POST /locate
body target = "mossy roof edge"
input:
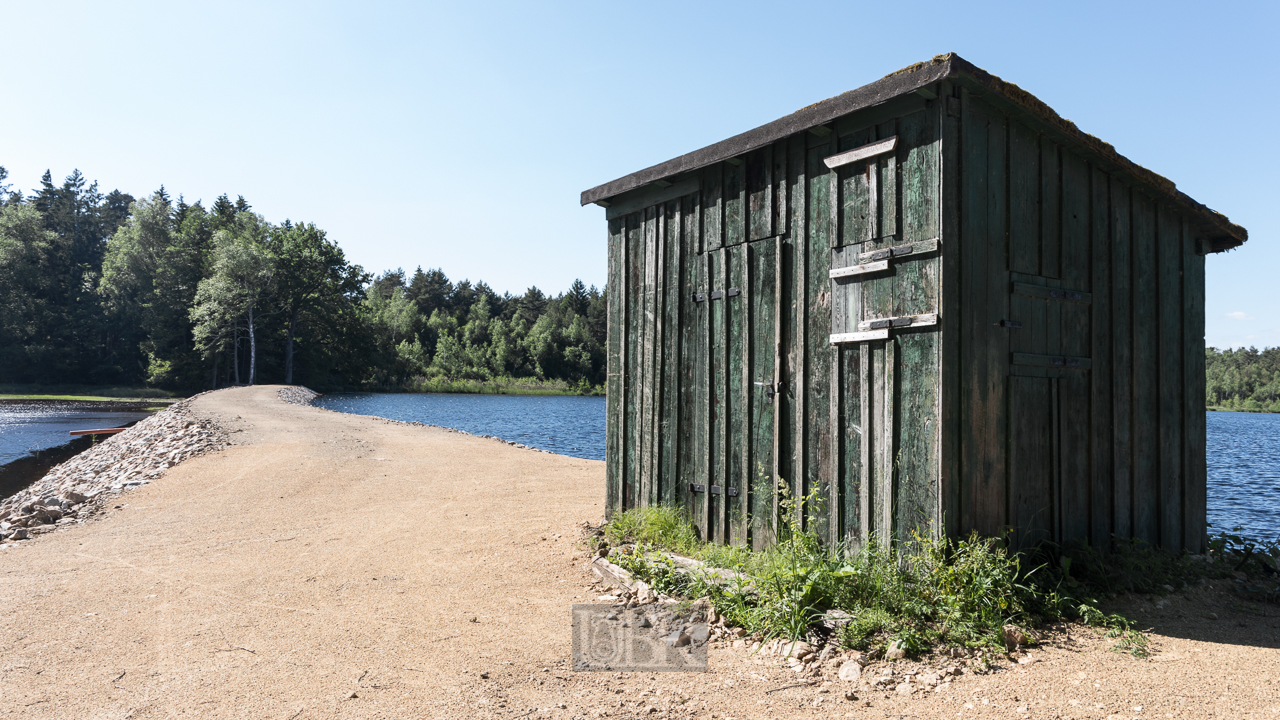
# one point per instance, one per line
(901, 82)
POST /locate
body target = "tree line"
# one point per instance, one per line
(1244, 379)
(107, 289)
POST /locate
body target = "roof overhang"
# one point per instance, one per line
(1222, 233)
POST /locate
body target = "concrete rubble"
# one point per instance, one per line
(77, 488)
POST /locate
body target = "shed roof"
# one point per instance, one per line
(1223, 233)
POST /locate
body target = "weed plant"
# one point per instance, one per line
(935, 592)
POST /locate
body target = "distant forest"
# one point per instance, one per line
(1245, 379)
(106, 289)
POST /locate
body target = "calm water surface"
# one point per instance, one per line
(1244, 472)
(27, 426)
(565, 425)
(1243, 448)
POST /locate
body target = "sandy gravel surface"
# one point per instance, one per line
(336, 566)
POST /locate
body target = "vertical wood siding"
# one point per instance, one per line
(1113, 446)
(1083, 423)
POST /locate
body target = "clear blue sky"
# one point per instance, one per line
(460, 135)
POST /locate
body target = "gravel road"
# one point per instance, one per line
(339, 566)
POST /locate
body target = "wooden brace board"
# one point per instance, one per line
(879, 147)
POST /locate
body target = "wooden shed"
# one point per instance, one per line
(933, 303)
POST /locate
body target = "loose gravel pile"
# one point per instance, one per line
(73, 490)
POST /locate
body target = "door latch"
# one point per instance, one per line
(769, 391)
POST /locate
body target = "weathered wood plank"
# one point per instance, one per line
(631, 488)
(1031, 459)
(887, 188)
(689, 397)
(1101, 447)
(866, 439)
(702, 430)
(1052, 293)
(760, 193)
(762, 299)
(1074, 392)
(1122, 369)
(718, 273)
(738, 429)
(648, 370)
(614, 425)
(1194, 481)
(860, 269)
(1146, 386)
(863, 152)
(1024, 200)
(795, 291)
(1073, 400)
(641, 198)
(781, 187)
(1050, 209)
(713, 208)
(985, 285)
(821, 231)
(1169, 244)
(850, 451)
(669, 429)
(855, 221)
(917, 296)
(735, 203)
(951, 377)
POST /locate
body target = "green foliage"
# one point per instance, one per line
(98, 288)
(932, 593)
(1246, 379)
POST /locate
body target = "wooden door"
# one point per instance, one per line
(737, 502)
(1048, 397)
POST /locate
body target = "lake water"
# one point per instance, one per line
(1244, 472)
(1243, 448)
(27, 426)
(571, 425)
(35, 435)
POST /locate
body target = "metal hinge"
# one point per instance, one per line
(731, 492)
(697, 487)
(1011, 324)
(699, 297)
(717, 294)
(715, 489)
(733, 292)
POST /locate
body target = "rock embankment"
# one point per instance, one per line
(74, 490)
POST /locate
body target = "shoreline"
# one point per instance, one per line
(336, 565)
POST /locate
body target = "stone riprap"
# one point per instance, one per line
(75, 489)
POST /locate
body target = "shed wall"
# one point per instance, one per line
(855, 427)
(1088, 420)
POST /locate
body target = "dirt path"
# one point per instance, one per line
(341, 566)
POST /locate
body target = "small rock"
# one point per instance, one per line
(850, 670)
(905, 688)
(1213, 616)
(1015, 637)
(850, 696)
(896, 650)
(1028, 660)
(798, 650)
(930, 679)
